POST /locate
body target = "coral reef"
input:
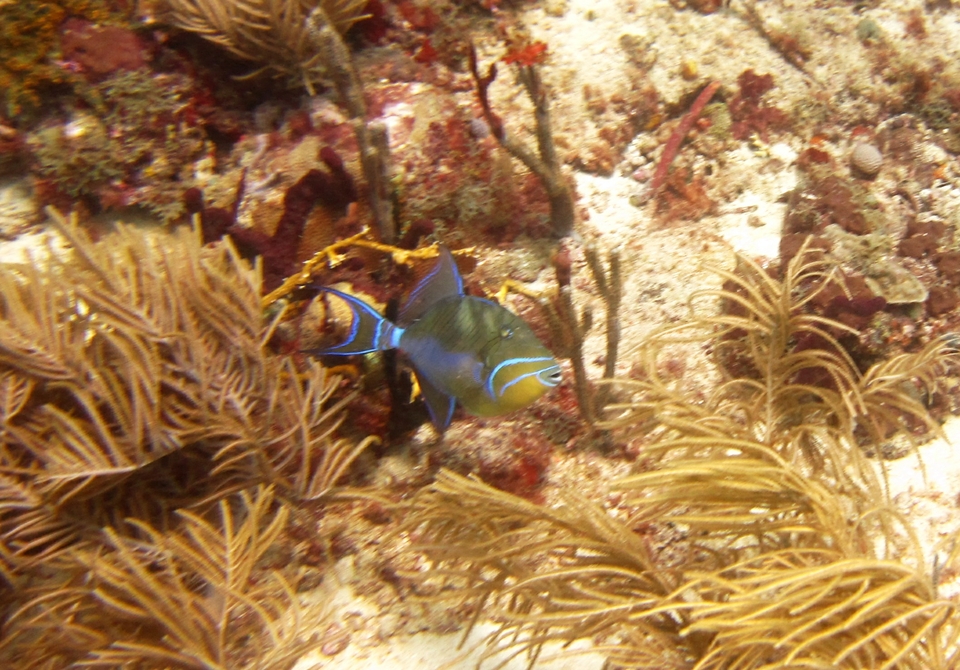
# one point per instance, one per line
(29, 42)
(544, 163)
(753, 505)
(333, 189)
(168, 423)
(137, 146)
(99, 51)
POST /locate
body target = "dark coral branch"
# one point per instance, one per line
(483, 83)
(672, 146)
(279, 251)
(575, 330)
(544, 164)
(334, 190)
(371, 137)
(610, 288)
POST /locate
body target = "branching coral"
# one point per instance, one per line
(303, 37)
(545, 163)
(758, 535)
(135, 379)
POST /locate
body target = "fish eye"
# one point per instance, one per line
(506, 332)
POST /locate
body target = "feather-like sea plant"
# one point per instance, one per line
(272, 32)
(759, 534)
(197, 598)
(135, 379)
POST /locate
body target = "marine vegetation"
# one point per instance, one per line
(147, 430)
(274, 32)
(545, 163)
(755, 531)
(304, 38)
(29, 42)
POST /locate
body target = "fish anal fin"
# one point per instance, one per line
(439, 404)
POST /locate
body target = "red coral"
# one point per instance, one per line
(683, 196)
(825, 200)
(748, 113)
(419, 18)
(680, 132)
(922, 238)
(812, 155)
(527, 54)
(753, 85)
(948, 263)
(426, 53)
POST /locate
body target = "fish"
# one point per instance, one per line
(462, 348)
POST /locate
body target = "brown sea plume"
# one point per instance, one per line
(149, 432)
(757, 533)
(272, 32)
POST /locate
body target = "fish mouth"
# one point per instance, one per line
(551, 376)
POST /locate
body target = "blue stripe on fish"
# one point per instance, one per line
(459, 346)
(369, 331)
(518, 361)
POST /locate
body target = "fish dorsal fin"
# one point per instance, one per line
(439, 404)
(443, 281)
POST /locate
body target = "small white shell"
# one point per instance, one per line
(866, 158)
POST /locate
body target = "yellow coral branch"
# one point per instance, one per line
(332, 256)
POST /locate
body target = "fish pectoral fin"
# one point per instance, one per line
(439, 404)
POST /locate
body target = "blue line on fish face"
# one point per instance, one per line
(518, 361)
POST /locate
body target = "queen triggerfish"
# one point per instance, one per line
(462, 348)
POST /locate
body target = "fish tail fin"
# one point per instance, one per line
(369, 331)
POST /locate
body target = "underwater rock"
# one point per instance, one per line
(896, 284)
(100, 51)
(872, 256)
